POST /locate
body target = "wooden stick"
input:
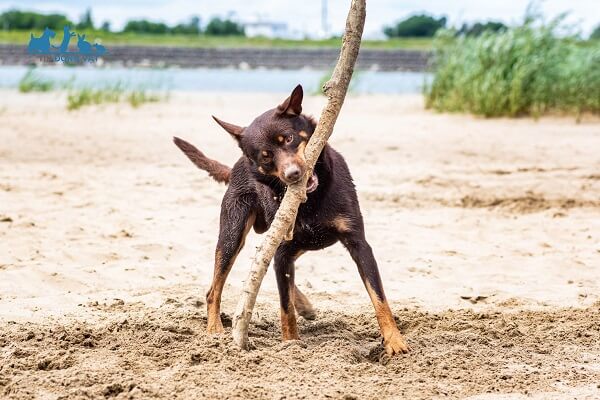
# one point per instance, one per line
(283, 224)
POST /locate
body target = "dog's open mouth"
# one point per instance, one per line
(312, 183)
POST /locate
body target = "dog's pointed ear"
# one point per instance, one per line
(293, 104)
(235, 131)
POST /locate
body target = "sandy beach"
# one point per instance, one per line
(486, 231)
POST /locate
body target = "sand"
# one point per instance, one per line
(486, 233)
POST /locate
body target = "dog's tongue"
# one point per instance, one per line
(312, 183)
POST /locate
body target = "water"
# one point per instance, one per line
(257, 80)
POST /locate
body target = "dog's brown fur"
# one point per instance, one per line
(273, 157)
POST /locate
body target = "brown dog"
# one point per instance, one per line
(273, 157)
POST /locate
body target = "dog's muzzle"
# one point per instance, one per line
(293, 173)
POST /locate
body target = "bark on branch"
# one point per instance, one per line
(282, 226)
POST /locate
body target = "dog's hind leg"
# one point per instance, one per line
(284, 272)
(362, 254)
(236, 221)
(303, 306)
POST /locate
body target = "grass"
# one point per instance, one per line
(138, 97)
(34, 83)
(79, 98)
(131, 39)
(527, 70)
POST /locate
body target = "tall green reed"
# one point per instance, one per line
(526, 70)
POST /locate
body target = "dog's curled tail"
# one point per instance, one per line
(215, 169)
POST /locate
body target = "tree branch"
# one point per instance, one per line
(283, 224)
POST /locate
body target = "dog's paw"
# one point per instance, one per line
(215, 327)
(308, 314)
(395, 344)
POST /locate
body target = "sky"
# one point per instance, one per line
(305, 16)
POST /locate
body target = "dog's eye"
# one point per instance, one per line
(266, 157)
(289, 139)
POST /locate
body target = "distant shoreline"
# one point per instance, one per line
(243, 58)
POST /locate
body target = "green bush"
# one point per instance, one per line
(190, 28)
(144, 26)
(415, 26)
(159, 28)
(596, 33)
(526, 70)
(25, 20)
(224, 27)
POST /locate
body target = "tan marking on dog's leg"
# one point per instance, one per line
(342, 224)
(213, 298)
(289, 328)
(393, 342)
(303, 306)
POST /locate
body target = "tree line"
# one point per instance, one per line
(26, 20)
(424, 25)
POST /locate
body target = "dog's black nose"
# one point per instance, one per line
(292, 173)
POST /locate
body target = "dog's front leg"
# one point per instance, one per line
(284, 272)
(362, 254)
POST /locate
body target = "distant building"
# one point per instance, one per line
(266, 29)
